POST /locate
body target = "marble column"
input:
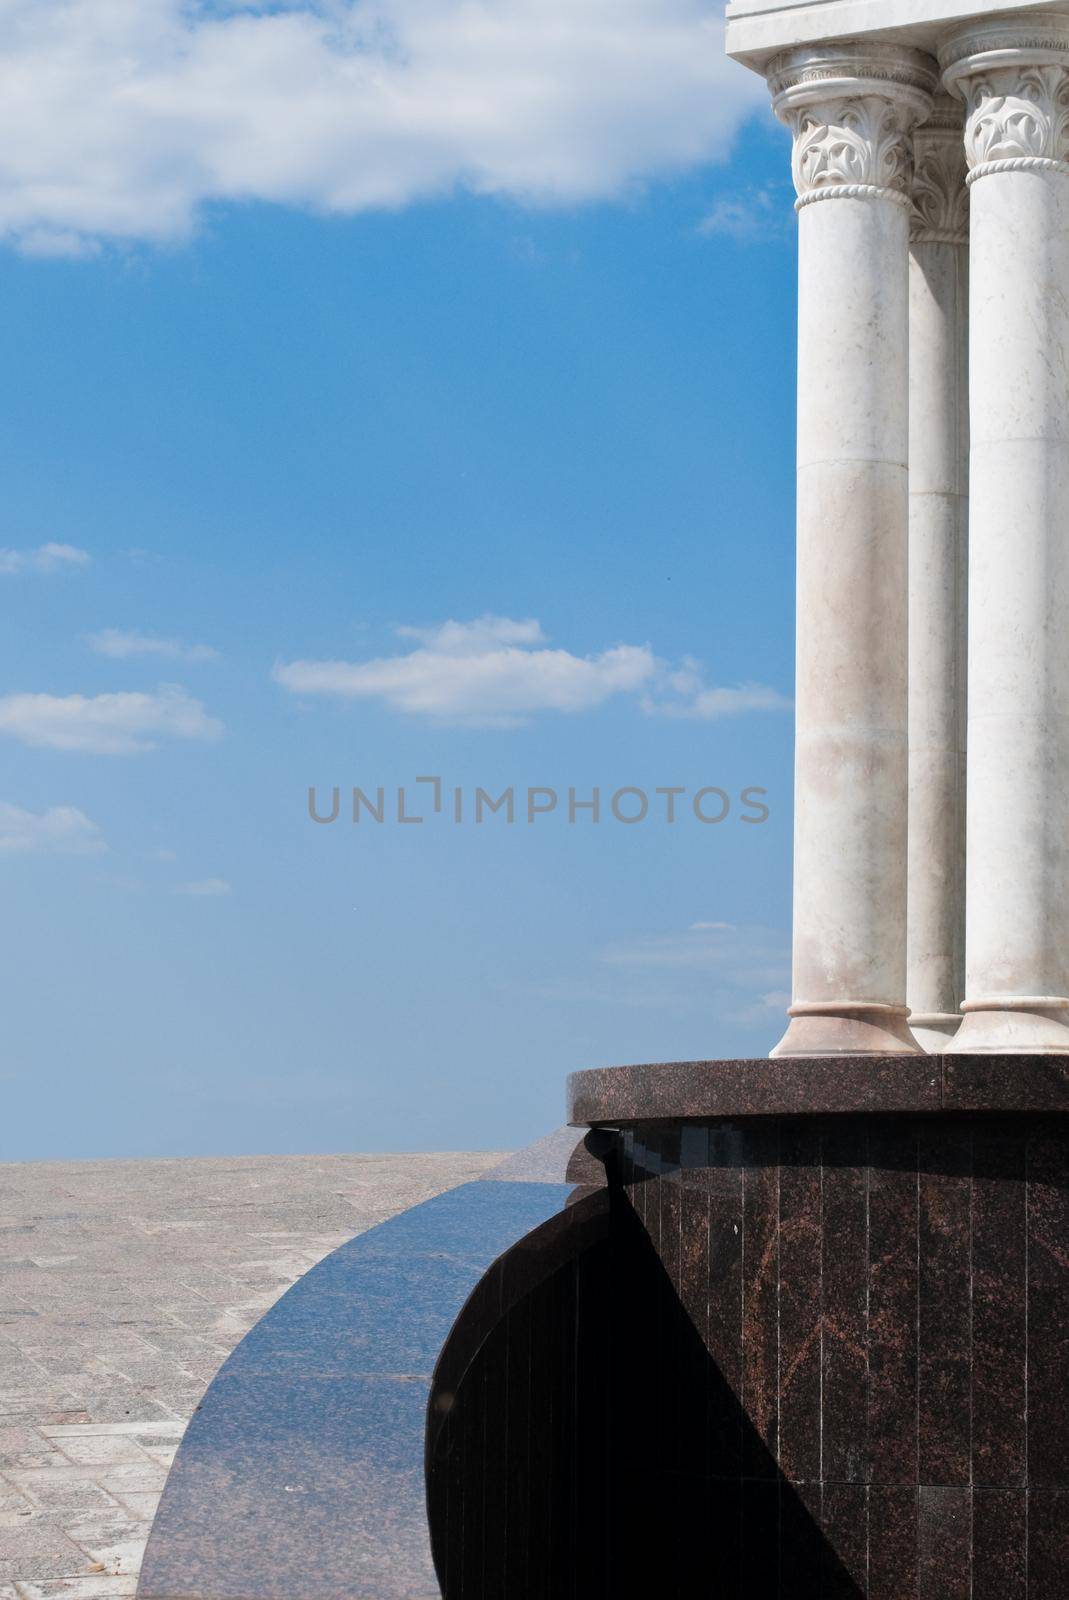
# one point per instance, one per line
(938, 575)
(851, 109)
(1013, 74)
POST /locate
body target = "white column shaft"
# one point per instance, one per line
(938, 573)
(851, 108)
(1016, 85)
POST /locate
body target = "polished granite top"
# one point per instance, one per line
(301, 1474)
(819, 1086)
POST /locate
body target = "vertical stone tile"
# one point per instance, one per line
(1000, 1527)
(495, 1485)
(944, 1312)
(999, 1349)
(801, 1541)
(724, 1521)
(800, 1302)
(893, 1220)
(845, 1280)
(1048, 1545)
(893, 1545)
(944, 1543)
(760, 1290)
(724, 1185)
(670, 1343)
(696, 1376)
(760, 1538)
(846, 1536)
(1048, 1312)
(517, 1423)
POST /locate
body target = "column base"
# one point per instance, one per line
(847, 1028)
(933, 1030)
(1022, 1025)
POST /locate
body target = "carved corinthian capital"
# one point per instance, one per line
(940, 195)
(851, 109)
(1013, 75)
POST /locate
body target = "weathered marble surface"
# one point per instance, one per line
(938, 574)
(1014, 78)
(123, 1286)
(851, 110)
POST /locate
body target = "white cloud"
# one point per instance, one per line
(469, 638)
(204, 888)
(120, 119)
(486, 673)
(688, 695)
(724, 985)
(755, 215)
(105, 724)
(61, 830)
(708, 704)
(46, 558)
(495, 672)
(120, 644)
(750, 958)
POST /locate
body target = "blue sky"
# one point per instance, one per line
(549, 400)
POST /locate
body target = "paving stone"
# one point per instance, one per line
(96, 1586)
(124, 1285)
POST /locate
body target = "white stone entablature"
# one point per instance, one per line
(757, 30)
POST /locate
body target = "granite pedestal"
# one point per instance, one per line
(863, 1360)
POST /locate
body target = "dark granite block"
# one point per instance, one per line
(323, 1443)
(944, 1543)
(1022, 1083)
(1048, 1311)
(516, 1422)
(845, 1520)
(701, 1090)
(694, 1403)
(999, 1310)
(893, 1545)
(944, 1311)
(670, 1341)
(800, 1303)
(725, 1545)
(801, 1546)
(760, 1297)
(893, 1281)
(1048, 1545)
(1000, 1532)
(760, 1538)
(724, 1185)
(694, 1256)
(844, 1249)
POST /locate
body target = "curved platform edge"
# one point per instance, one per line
(818, 1086)
(301, 1475)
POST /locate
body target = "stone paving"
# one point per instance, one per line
(123, 1286)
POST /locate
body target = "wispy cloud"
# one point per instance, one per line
(493, 672)
(204, 888)
(105, 724)
(61, 830)
(120, 644)
(496, 672)
(749, 217)
(120, 120)
(44, 558)
(732, 977)
(683, 692)
(750, 957)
